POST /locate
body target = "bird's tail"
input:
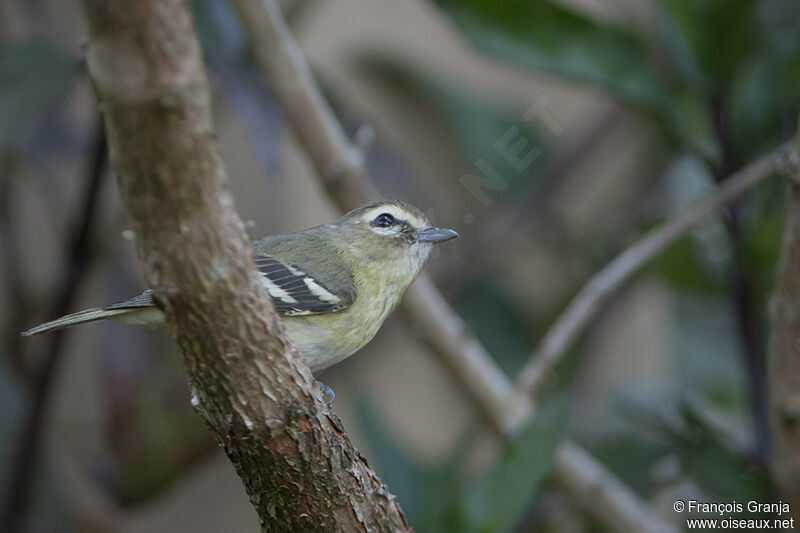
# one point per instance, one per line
(81, 317)
(140, 310)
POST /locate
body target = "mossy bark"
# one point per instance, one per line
(291, 452)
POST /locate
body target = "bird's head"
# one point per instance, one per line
(390, 232)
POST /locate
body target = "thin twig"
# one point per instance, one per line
(76, 265)
(485, 382)
(584, 307)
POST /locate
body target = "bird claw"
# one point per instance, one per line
(327, 393)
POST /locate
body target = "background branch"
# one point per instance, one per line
(295, 461)
(338, 162)
(586, 304)
(78, 258)
(601, 494)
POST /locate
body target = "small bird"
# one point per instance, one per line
(333, 285)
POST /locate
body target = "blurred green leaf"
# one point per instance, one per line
(706, 64)
(706, 350)
(681, 267)
(629, 454)
(706, 39)
(546, 36)
(495, 143)
(499, 326)
(689, 121)
(765, 226)
(764, 96)
(426, 493)
(749, 78)
(676, 31)
(714, 462)
(715, 458)
(433, 498)
(762, 115)
(498, 499)
(33, 75)
(700, 261)
(402, 474)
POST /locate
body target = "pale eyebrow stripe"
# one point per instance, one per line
(398, 213)
(391, 209)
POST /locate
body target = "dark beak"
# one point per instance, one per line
(435, 235)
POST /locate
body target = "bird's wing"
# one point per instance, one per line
(294, 291)
(297, 292)
(143, 300)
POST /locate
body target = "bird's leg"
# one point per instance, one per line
(327, 393)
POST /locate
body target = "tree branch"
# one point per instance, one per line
(784, 353)
(584, 307)
(295, 461)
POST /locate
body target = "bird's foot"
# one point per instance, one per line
(327, 393)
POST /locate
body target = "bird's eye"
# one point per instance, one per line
(384, 220)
